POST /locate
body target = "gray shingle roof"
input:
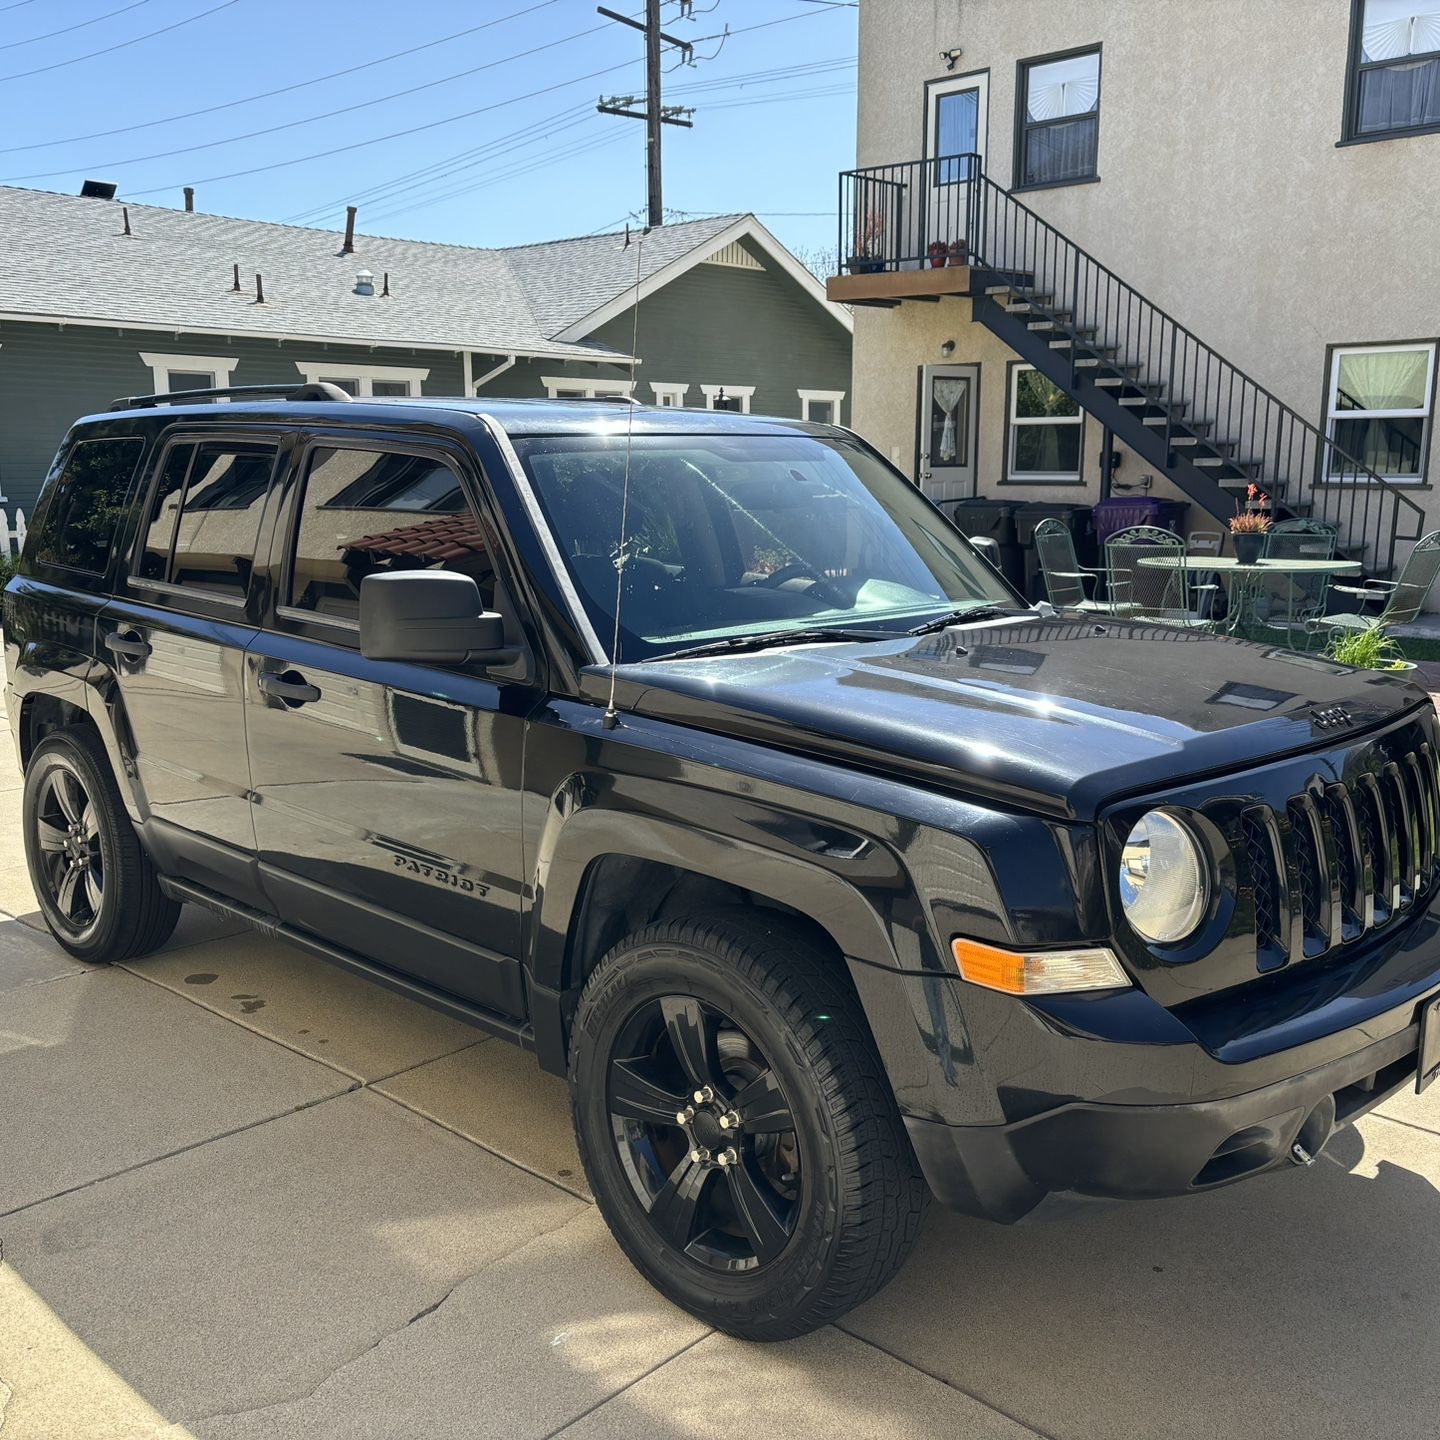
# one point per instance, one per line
(67, 256)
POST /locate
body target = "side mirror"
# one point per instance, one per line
(988, 546)
(433, 617)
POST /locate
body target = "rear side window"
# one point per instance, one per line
(205, 516)
(366, 511)
(85, 504)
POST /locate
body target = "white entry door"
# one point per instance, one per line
(949, 396)
(956, 126)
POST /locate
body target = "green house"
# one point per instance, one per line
(100, 299)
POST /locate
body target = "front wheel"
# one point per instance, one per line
(96, 886)
(737, 1127)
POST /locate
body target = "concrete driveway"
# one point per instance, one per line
(245, 1195)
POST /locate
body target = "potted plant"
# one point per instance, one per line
(1248, 530)
(1256, 500)
(1370, 649)
(958, 253)
(938, 251)
(869, 256)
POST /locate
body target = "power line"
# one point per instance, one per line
(15, 6)
(121, 45)
(311, 119)
(51, 34)
(282, 90)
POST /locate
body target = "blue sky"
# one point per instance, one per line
(774, 121)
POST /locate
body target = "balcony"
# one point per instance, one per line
(905, 231)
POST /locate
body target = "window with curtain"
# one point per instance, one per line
(1046, 429)
(1395, 67)
(1059, 123)
(957, 132)
(1379, 412)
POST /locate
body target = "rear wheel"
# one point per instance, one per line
(96, 886)
(737, 1127)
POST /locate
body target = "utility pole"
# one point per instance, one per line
(655, 115)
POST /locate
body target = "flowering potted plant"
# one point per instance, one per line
(1248, 530)
(1256, 500)
(938, 251)
(869, 256)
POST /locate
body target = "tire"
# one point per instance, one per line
(764, 1249)
(75, 825)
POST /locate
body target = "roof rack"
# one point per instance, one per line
(315, 390)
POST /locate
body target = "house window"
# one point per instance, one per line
(188, 372)
(1046, 430)
(1379, 410)
(728, 397)
(579, 387)
(668, 393)
(1394, 74)
(1058, 119)
(374, 380)
(821, 406)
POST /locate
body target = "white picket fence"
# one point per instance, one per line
(12, 536)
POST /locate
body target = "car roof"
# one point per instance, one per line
(518, 418)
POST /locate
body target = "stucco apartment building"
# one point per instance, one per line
(1202, 230)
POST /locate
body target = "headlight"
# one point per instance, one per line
(1164, 879)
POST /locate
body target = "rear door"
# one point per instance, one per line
(175, 638)
(387, 795)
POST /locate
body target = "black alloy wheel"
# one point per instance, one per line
(67, 833)
(705, 1134)
(737, 1126)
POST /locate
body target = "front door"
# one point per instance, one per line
(948, 442)
(955, 131)
(387, 794)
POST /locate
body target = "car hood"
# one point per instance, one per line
(1052, 714)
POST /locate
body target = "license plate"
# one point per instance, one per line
(1429, 1066)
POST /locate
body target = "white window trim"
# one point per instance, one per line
(833, 396)
(671, 390)
(591, 389)
(742, 393)
(316, 373)
(1334, 413)
(160, 365)
(1037, 477)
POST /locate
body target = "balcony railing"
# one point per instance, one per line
(892, 215)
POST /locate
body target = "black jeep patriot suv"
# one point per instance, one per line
(851, 881)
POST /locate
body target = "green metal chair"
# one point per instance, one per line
(1401, 599)
(1065, 577)
(1289, 602)
(1153, 592)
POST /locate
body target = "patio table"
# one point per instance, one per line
(1247, 575)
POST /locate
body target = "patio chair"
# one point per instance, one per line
(1065, 577)
(1151, 591)
(1401, 599)
(1206, 595)
(1289, 602)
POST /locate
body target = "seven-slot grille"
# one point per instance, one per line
(1343, 859)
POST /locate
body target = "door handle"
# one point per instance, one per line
(131, 646)
(291, 687)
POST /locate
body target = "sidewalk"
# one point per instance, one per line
(243, 1194)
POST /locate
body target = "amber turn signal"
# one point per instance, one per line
(1043, 972)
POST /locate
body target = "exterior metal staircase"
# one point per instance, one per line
(1185, 409)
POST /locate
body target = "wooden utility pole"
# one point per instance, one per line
(655, 114)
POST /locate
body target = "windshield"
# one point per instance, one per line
(729, 536)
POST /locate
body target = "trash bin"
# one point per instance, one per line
(995, 520)
(1077, 519)
(1121, 512)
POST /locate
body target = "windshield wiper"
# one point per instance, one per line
(973, 612)
(738, 644)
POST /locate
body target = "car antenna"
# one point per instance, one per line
(612, 716)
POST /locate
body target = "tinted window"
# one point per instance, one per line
(206, 516)
(364, 512)
(84, 504)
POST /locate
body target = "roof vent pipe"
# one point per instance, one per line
(259, 288)
(236, 286)
(348, 248)
(385, 289)
(125, 212)
(189, 199)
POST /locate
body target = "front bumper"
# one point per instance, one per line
(1001, 1172)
